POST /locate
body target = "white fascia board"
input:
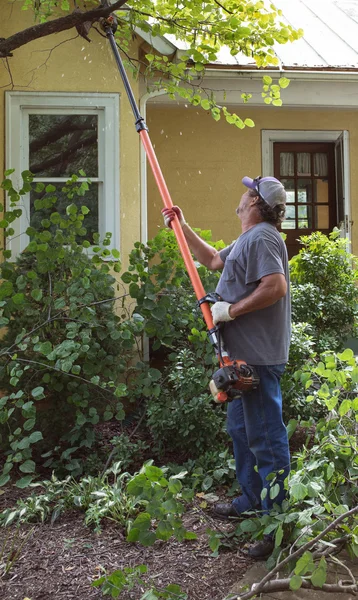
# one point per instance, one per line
(299, 94)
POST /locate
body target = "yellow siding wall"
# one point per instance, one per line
(204, 161)
(75, 66)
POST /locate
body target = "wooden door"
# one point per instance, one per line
(307, 170)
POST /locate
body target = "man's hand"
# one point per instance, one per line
(220, 312)
(170, 213)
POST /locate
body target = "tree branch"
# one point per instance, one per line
(261, 586)
(55, 26)
(281, 585)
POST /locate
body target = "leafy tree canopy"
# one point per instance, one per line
(206, 26)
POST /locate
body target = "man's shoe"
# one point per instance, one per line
(225, 511)
(262, 549)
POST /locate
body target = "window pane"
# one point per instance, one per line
(320, 164)
(289, 185)
(321, 191)
(322, 217)
(304, 220)
(90, 200)
(287, 163)
(290, 220)
(61, 145)
(304, 190)
(303, 163)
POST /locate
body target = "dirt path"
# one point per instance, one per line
(59, 562)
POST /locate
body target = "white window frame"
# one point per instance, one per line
(270, 136)
(19, 105)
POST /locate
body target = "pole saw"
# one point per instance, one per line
(233, 376)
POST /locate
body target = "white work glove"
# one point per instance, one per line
(220, 312)
(170, 213)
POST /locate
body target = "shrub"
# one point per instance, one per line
(183, 418)
(66, 353)
(324, 291)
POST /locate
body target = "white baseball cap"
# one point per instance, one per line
(269, 189)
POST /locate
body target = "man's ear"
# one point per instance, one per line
(254, 200)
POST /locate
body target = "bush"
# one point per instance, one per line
(183, 419)
(324, 291)
(65, 356)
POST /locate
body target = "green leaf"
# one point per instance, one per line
(142, 522)
(153, 473)
(18, 299)
(295, 583)
(35, 436)
(28, 466)
(248, 526)
(274, 491)
(45, 348)
(164, 531)
(205, 104)
(298, 491)
(24, 481)
(147, 538)
(29, 424)
(345, 407)
(267, 80)
(304, 564)
(284, 82)
(36, 295)
(249, 123)
(278, 536)
(38, 393)
(4, 479)
(319, 576)
(348, 354)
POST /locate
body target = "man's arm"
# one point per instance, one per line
(203, 252)
(270, 289)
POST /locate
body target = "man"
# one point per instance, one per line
(256, 327)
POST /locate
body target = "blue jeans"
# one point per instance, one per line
(254, 422)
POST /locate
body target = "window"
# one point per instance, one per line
(57, 135)
(308, 173)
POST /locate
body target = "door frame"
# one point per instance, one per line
(270, 136)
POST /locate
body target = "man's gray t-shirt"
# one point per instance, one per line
(261, 337)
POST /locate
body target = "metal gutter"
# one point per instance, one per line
(292, 73)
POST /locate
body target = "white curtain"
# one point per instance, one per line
(287, 163)
(320, 163)
(303, 163)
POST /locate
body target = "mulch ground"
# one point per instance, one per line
(60, 561)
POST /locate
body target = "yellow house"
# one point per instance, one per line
(61, 96)
(310, 143)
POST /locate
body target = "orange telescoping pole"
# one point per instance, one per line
(109, 27)
(184, 248)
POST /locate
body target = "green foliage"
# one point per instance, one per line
(248, 27)
(210, 470)
(164, 504)
(98, 497)
(183, 416)
(323, 481)
(148, 505)
(125, 580)
(66, 352)
(324, 291)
